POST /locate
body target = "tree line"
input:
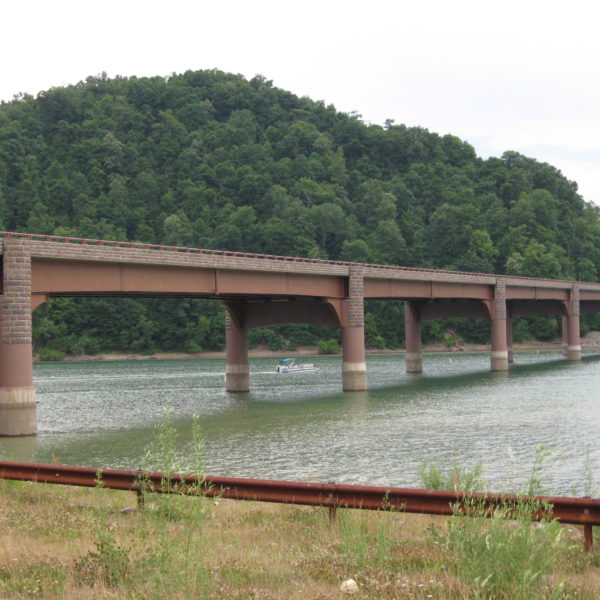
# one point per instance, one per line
(213, 160)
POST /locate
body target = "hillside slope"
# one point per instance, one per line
(211, 160)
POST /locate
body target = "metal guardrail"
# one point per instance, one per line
(575, 511)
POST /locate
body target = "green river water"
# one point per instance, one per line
(301, 426)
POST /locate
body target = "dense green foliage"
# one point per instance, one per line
(209, 159)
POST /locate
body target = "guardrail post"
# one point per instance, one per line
(332, 514)
(141, 502)
(17, 393)
(332, 508)
(412, 328)
(588, 538)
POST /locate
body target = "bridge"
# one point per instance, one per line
(259, 290)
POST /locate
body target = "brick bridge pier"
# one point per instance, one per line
(260, 290)
(17, 393)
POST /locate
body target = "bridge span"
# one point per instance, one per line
(259, 290)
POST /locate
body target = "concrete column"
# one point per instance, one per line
(565, 334)
(573, 335)
(509, 340)
(354, 365)
(499, 354)
(412, 328)
(17, 394)
(237, 370)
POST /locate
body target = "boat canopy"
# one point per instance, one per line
(286, 361)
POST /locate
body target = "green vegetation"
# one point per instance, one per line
(525, 481)
(459, 478)
(151, 563)
(210, 159)
(497, 552)
(502, 554)
(50, 354)
(328, 346)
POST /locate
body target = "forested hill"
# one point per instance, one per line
(211, 160)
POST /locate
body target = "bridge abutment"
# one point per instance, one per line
(499, 349)
(237, 369)
(412, 327)
(18, 413)
(354, 365)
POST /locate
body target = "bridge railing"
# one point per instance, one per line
(213, 252)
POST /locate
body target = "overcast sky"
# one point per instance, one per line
(512, 75)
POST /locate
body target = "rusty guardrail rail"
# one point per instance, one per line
(575, 511)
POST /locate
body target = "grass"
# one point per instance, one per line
(68, 543)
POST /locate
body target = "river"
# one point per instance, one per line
(300, 426)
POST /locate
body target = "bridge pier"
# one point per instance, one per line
(574, 339)
(18, 413)
(354, 365)
(412, 328)
(499, 350)
(565, 334)
(509, 340)
(573, 331)
(237, 370)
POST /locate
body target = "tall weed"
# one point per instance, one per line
(502, 554)
(166, 554)
(365, 541)
(172, 565)
(464, 479)
(498, 552)
(109, 562)
(544, 461)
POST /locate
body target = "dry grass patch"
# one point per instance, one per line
(72, 543)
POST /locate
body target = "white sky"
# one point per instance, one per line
(518, 75)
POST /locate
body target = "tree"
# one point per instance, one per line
(39, 220)
(481, 254)
(537, 211)
(227, 237)
(177, 230)
(355, 251)
(536, 261)
(328, 220)
(388, 243)
(244, 218)
(449, 233)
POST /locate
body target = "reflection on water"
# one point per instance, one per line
(301, 426)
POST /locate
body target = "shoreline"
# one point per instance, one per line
(263, 352)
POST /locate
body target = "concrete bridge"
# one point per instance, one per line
(260, 290)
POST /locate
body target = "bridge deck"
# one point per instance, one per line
(82, 267)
